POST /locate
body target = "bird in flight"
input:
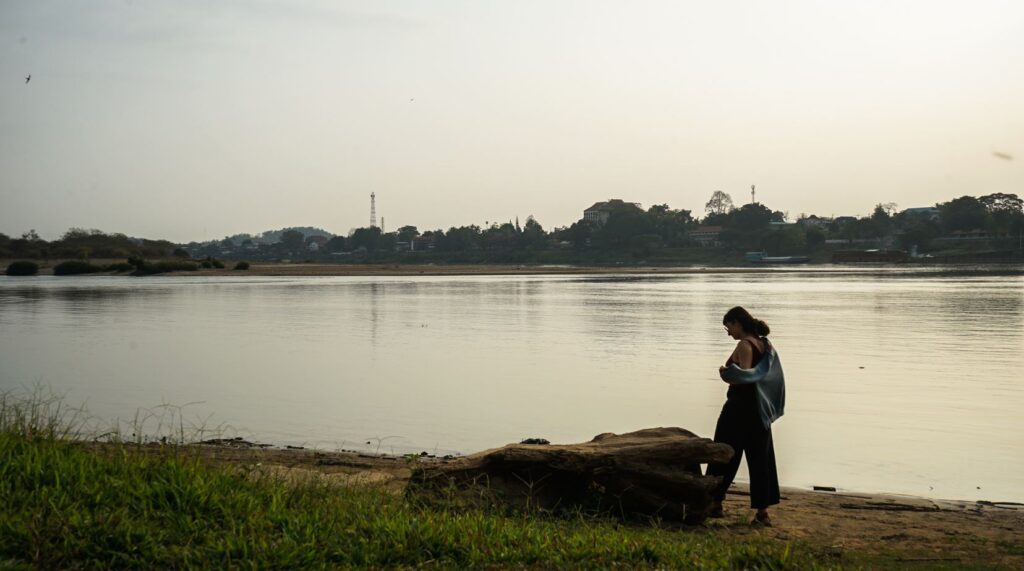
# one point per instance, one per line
(29, 78)
(1004, 156)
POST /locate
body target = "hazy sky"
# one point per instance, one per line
(197, 119)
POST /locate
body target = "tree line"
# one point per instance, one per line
(628, 233)
(79, 243)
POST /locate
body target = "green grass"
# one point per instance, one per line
(67, 505)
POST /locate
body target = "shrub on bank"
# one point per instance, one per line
(144, 268)
(75, 267)
(119, 267)
(22, 268)
(242, 266)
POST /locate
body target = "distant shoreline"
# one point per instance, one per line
(280, 269)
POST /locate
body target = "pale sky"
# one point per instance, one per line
(197, 119)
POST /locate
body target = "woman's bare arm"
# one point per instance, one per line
(743, 355)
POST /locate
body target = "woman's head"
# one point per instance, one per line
(738, 322)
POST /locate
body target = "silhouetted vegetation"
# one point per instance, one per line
(624, 233)
(120, 267)
(242, 266)
(76, 267)
(22, 268)
(81, 244)
(145, 268)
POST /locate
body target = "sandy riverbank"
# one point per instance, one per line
(280, 269)
(869, 529)
(470, 269)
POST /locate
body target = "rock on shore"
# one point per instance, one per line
(650, 472)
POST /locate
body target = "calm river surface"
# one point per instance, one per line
(899, 381)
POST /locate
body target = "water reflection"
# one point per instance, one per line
(890, 373)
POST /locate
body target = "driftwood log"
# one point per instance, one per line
(651, 472)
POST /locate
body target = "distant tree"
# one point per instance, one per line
(919, 231)
(716, 219)
(671, 225)
(998, 202)
(579, 234)
(292, 240)
(336, 244)
(407, 233)
(533, 237)
(748, 226)
(754, 216)
(964, 213)
(29, 245)
(859, 229)
(499, 238)
(460, 239)
(1006, 214)
(388, 242)
(787, 240)
(622, 226)
(367, 238)
(720, 203)
(890, 208)
(814, 237)
(882, 218)
(180, 253)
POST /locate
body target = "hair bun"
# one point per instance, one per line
(762, 328)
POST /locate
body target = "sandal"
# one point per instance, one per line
(761, 520)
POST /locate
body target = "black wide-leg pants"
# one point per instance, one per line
(740, 426)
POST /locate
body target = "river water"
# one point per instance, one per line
(897, 380)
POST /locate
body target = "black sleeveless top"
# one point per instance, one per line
(746, 394)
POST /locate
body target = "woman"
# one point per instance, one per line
(755, 399)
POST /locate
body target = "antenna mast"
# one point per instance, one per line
(753, 199)
(373, 210)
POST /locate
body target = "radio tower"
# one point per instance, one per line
(373, 210)
(753, 200)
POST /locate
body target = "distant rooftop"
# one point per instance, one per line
(611, 204)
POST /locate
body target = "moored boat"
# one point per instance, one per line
(763, 258)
